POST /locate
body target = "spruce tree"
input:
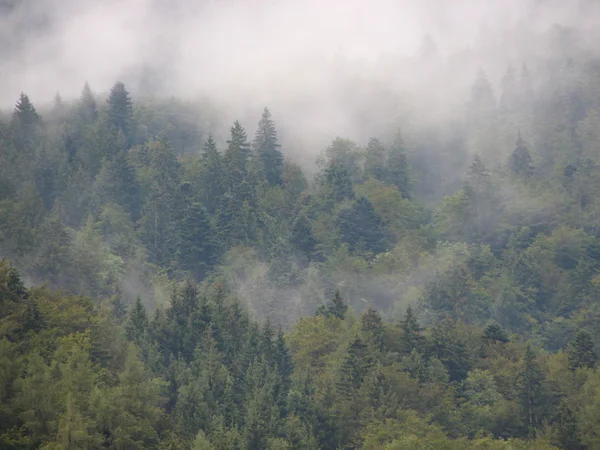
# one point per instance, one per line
(120, 110)
(302, 236)
(212, 175)
(87, 104)
(337, 183)
(532, 392)
(398, 170)
(137, 323)
(196, 246)
(361, 228)
(581, 352)
(25, 124)
(411, 339)
(267, 150)
(372, 327)
(376, 160)
(236, 156)
(355, 368)
(520, 162)
(116, 183)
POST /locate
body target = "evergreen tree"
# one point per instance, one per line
(509, 93)
(87, 104)
(361, 228)
(495, 333)
(355, 368)
(116, 183)
(581, 352)
(137, 322)
(482, 95)
(337, 308)
(398, 170)
(212, 175)
(196, 243)
(337, 183)
(120, 111)
(411, 339)
(302, 236)
(532, 392)
(236, 156)
(267, 150)
(376, 160)
(520, 162)
(25, 124)
(372, 327)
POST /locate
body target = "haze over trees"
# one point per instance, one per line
(174, 280)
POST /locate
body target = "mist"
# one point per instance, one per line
(324, 68)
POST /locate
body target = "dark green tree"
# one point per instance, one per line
(533, 394)
(236, 157)
(376, 160)
(212, 175)
(267, 150)
(412, 338)
(302, 236)
(137, 322)
(336, 308)
(337, 184)
(116, 183)
(361, 228)
(372, 327)
(581, 351)
(87, 104)
(355, 368)
(495, 333)
(520, 162)
(120, 110)
(25, 124)
(398, 170)
(196, 246)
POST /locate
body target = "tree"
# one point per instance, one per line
(509, 94)
(120, 110)
(337, 183)
(520, 162)
(581, 351)
(375, 160)
(116, 183)
(25, 124)
(361, 228)
(532, 392)
(137, 321)
(196, 247)
(398, 170)
(372, 327)
(267, 150)
(302, 236)
(212, 175)
(495, 333)
(359, 360)
(411, 339)
(337, 308)
(87, 104)
(236, 157)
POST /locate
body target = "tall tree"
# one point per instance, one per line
(361, 228)
(412, 338)
(236, 156)
(87, 104)
(520, 162)
(196, 247)
(25, 124)
(267, 150)
(337, 183)
(581, 351)
(212, 175)
(375, 160)
(532, 392)
(120, 110)
(398, 170)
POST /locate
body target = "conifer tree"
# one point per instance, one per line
(236, 156)
(411, 339)
(581, 352)
(337, 183)
(116, 183)
(267, 150)
(137, 321)
(361, 228)
(25, 124)
(372, 327)
(302, 236)
(196, 246)
(120, 110)
(355, 368)
(87, 104)
(398, 170)
(532, 392)
(212, 175)
(376, 160)
(520, 162)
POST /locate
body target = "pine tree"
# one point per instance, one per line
(495, 333)
(212, 175)
(412, 338)
(120, 110)
(376, 160)
(398, 170)
(372, 327)
(117, 183)
(581, 352)
(520, 162)
(302, 236)
(196, 241)
(482, 95)
(267, 150)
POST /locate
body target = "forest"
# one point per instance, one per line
(170, 280)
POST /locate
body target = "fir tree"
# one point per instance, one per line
(361, 228)
(116, 183)
(337, 183)
(87, 104)
(372, 327)
(398, 170)
(355, 368)
(302, 237)
(495, 333)
(236, 156)
(581, 352)
(120, 110)
(137, 321)
(267, 150)
(196, 244)
(412, 338)
(376, 160)
(25, 124)
(212, 175)
(520, 162)
(532, 392)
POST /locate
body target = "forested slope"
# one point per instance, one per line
(169, 284)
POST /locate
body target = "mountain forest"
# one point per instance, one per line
(170, 280)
